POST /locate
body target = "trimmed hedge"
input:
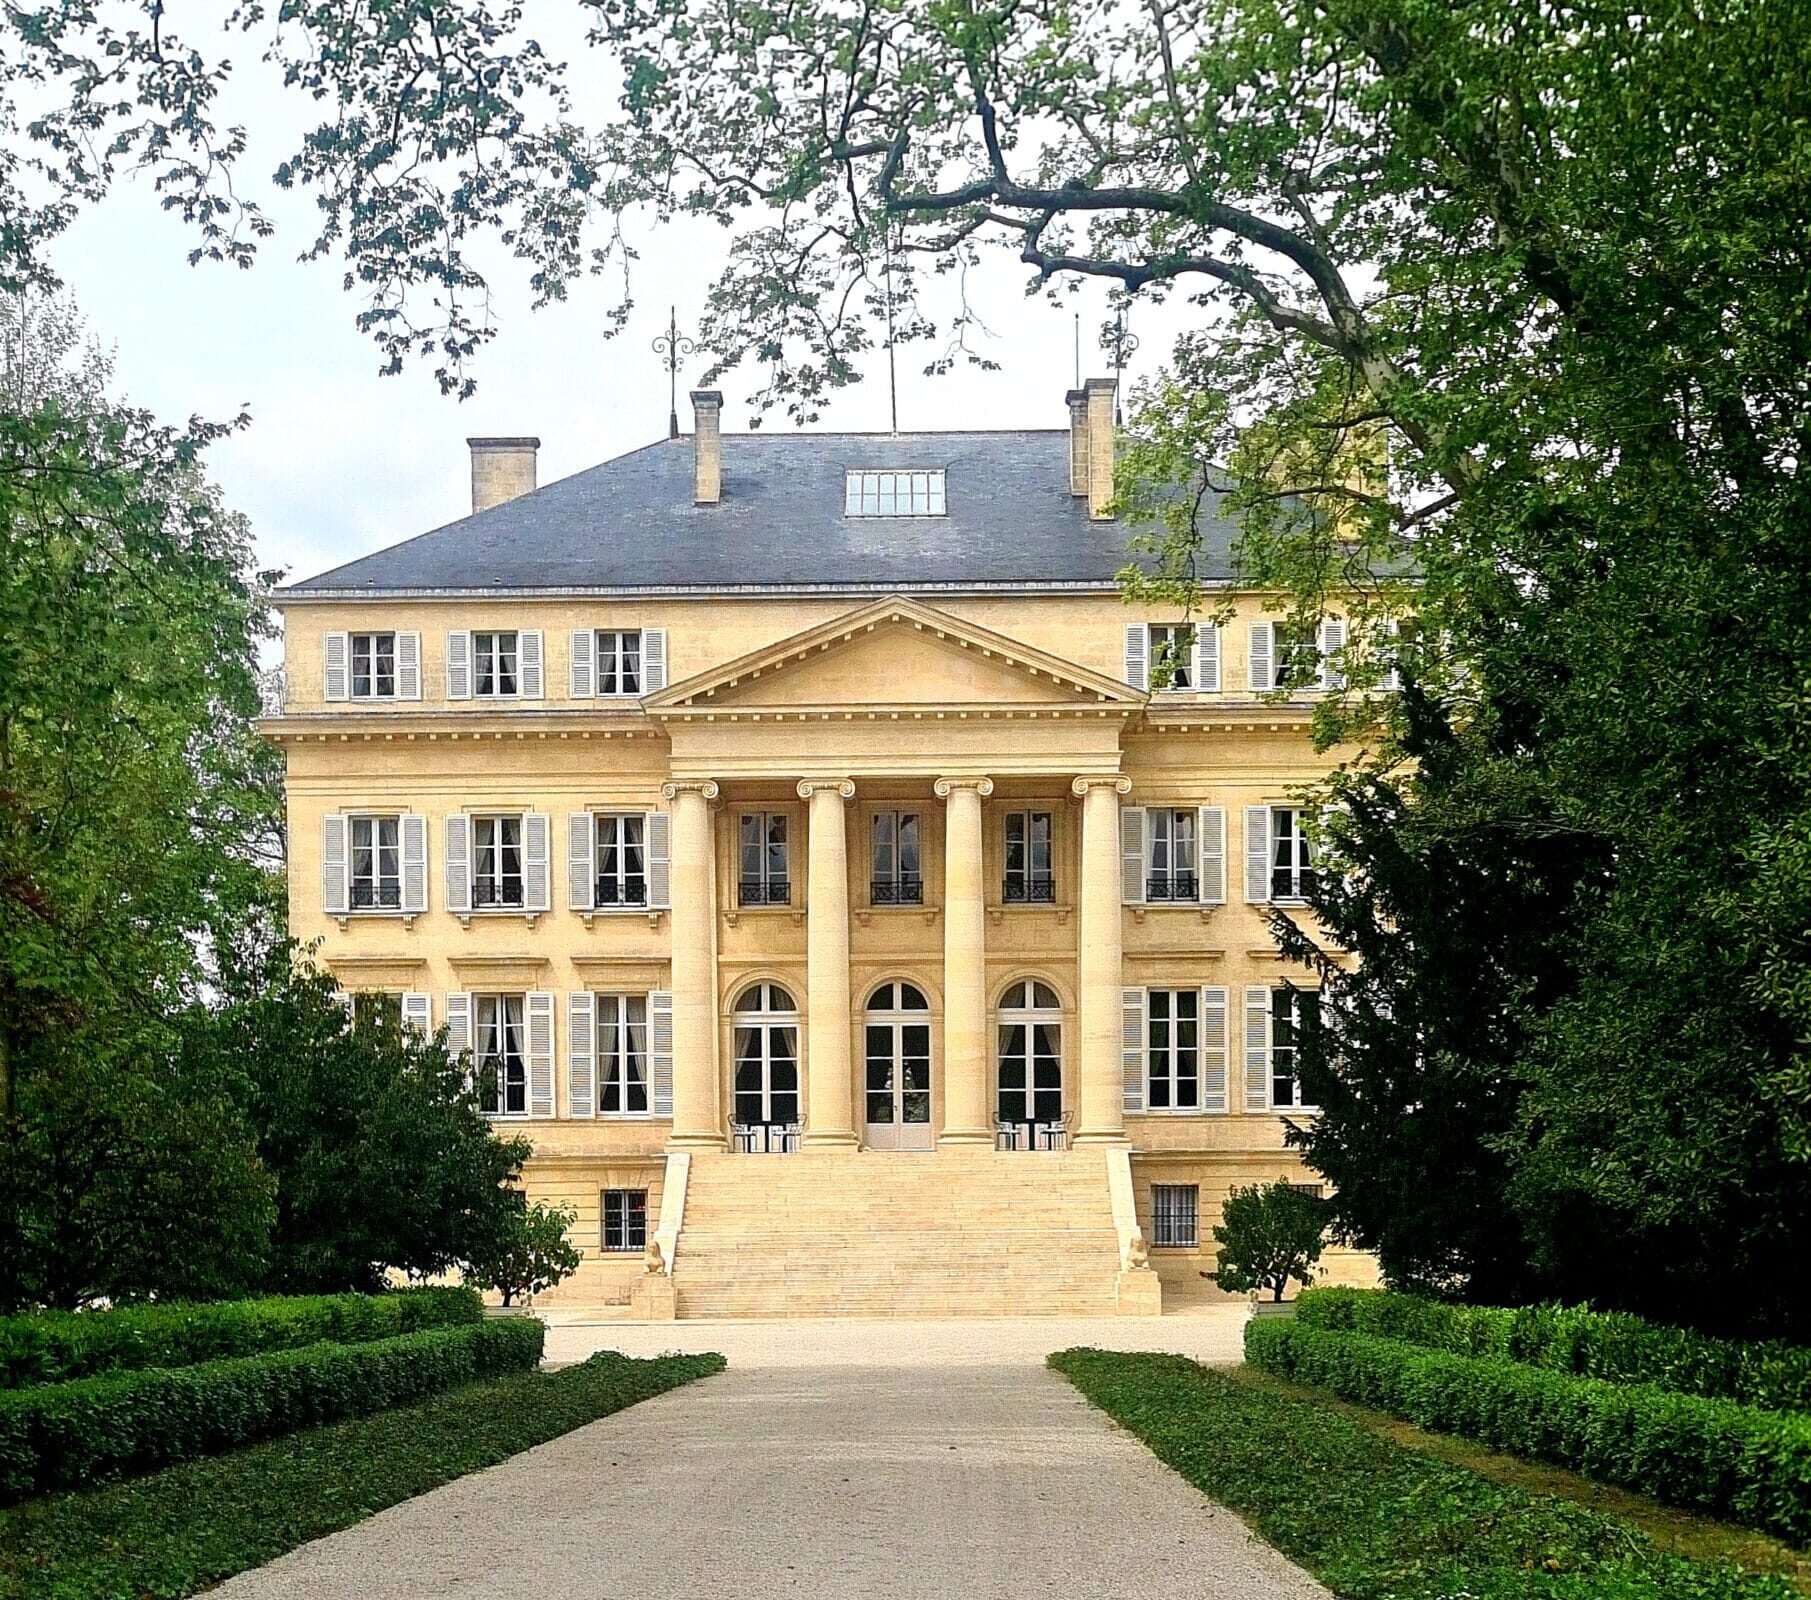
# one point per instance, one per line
(70, 1435)
(1735, 1461)
(56, 1346)
(1595, 1344)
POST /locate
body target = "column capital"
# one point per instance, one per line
(704, 786)
(1116, 781)
(810, 786)
(945, 787)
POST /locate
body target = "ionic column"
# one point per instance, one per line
(967, 1062)
(829, 1104)
(1102, 1113)
(697, 1120)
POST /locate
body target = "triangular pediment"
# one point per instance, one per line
(901, 654)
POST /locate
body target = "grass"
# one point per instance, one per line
(1375, 1520)
(183, 1529)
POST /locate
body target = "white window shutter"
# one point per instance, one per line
(1213, 1049)
(538, 1006)
(1131, 855)
(336, 661)
(660, 1052)
(1210, 836)
(1207, 657)
(1261, 657)
(458, 1025)
(413, 828)
(459, 664)
(408, 666)
(1257, 1048)
(581, 1054)
(1331, 675)
(581, 860)
(528, 664)
(1138, 655)
(333, 863)
(537, 866)
(658, 831)
(583, 674)
(1131, 1048)
(459, 863)
(418, 1014)
(1257, 854)
(653, 660)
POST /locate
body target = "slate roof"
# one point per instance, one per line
(630, 524)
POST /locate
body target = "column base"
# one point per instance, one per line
(697, 1141)
(966, 1138)
(832, 1139)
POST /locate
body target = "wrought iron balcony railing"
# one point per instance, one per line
(1172, 886)
(498, 892)
(764, 892)
(631, 891)
(378, 896)
(1030, 889)
(905, 890)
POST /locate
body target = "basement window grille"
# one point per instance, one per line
(1174, 1209)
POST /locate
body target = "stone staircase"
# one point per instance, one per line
(869, 1234)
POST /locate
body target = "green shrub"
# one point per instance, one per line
(529, 1253)
(55, 1346)
(1595, 1344)
(67, 1435)
(1735, 1461)
(1269, 1236)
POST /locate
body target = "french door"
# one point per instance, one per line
(897, 1068)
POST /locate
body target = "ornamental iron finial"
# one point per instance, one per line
(669, 346)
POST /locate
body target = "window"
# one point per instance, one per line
(1173, 655)
(897, 1069)
(1298, 659)
(1029, 1109)
(1291, 854)
(897, 878)
(497, 862)
(1294, 1015)
(1173, 1049)
(373, 666)
(374, 881)
(499, 1055)
(1314, 1191)
(894, 494)
(1030, 879)
(625, 1219)
(767, 1066)
(622, 1054)
(1170, 873)
(495, 659)
(764, 880)
(1175, 1214)
(619, 661)
(622, 860)
(372, 1008)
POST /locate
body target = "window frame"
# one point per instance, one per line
(1288, 1012)
(621, 896)
(1297, 875)
(1172, 1052)
(1183, 635)
(897, 887)
(498, 900)
(1035, 887)
(1021, 1008)
(613, 663)
(614, 1041)
(482, 1053)
(370, 640)
(1167, 886)
(1168, 1206)
(377, 904)
(495, 636)
(870, 492)
(632, 1208)
(764, 886)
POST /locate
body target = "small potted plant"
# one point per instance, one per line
(1270, 1235)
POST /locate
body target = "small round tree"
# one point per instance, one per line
(1269, 1235)
(529, 1254)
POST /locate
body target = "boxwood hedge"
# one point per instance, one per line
(55, 1346)
(1595, 1344)
(67, 1435)
(1735, 1461)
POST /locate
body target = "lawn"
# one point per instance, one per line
(180, 1530)
(1374, 1520)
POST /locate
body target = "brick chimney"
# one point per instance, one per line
(707, 445)
(1101, 444)
(501, 470)
(1077, 401)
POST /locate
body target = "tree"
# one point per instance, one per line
(1270, 1235)
(529, 1254)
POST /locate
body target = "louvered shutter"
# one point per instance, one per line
(1261, 659)
(1131, 855)
(653, 660)
(418, 1014)
(658, 830)
(1207, 657)
(408, 666)
(333, 864)
(1213, 1049)
(528, 664)
(1331, 675)
(537, 866)
(413, 828)
(336, 663)
(581, 860)
(1138, 655)
(1210, 834)
(538, 1005)
(1131, 1048)
(459, 1028)
(581, 1054)
(459, 863)
(1257, 1048)
(1391, 651)
(660, 1052)
(583, 668)
(459, 665)
(1257, 854)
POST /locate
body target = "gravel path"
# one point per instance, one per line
(867, 1474)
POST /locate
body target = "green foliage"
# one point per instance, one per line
(56, 1346)
(191, 1526)
(1610, 1345)
(1371, 1519)
(530, 1254)
(1270, 1236)
(1735, 1461)
(72, 1435)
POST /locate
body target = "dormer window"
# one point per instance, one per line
(894, 494)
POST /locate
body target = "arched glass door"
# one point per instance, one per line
(898, 1069)
(1030, 1106)
(767, 1070)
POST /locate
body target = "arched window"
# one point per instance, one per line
(897, 1069)
(1030, 1105)
(767, 1069)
